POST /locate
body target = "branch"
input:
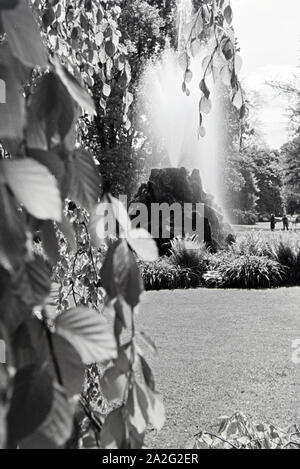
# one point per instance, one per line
(52, 350)
(284, 88)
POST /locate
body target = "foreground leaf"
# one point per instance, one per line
(12, 229)
(57, 428)
(50, 114)
(113, 434)
(12, 310)
(23, 34)
(71, 366)
(107, 272)
(4, 385)
(32, 282)
(31, 402)
(148, 375)
(79, 94)
(59, 424)
(156, 410)
(34, 187)
(113, 384)
(89, 333)
(143, 244)
(128, 279)
(49, 240)
(85, 180)
(137, 408)
(12, 102)
(8, 4)
(68, 232)
(3, 404)
(120, 213)
(55, 164)
(31, 346)
(114, 381)
(228, 14)
(145, 407)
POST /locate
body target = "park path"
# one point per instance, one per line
(222, 352)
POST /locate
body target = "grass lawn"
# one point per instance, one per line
(221, 352)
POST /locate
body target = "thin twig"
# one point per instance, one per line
(52, 350)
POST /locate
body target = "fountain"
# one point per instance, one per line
(177, 186)
(172, 118)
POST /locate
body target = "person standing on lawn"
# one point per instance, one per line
(273, 222)
(285, 222)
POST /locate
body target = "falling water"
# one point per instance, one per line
(173, 117)
(184, 16)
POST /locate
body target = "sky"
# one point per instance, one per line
(268, 32)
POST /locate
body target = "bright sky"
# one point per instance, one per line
(269, 36)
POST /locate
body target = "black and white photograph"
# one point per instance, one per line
(149, 227)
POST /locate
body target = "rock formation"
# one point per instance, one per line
(176, 185)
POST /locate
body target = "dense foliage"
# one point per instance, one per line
(253, 189)
(41, 166)
(145, 26)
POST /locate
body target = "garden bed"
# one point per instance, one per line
(254, 260)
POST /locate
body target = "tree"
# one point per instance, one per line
(290, 153)
(269, 180)
(291, 92)
(241, 190)
(143, 25)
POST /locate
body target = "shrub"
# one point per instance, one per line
(162, 275)
(239, 432)
(190, 254)
(254, 260)
(286, 251)
(246, 271)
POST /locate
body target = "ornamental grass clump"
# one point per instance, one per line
(244, 271)
(252, 244)
(163, 275)
(188, 253)
(286, 251)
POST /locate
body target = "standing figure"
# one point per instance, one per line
(273, 222)
(285, 222)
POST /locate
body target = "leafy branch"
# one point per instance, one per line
(212, 26)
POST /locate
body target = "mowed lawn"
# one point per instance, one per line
(222, 352)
